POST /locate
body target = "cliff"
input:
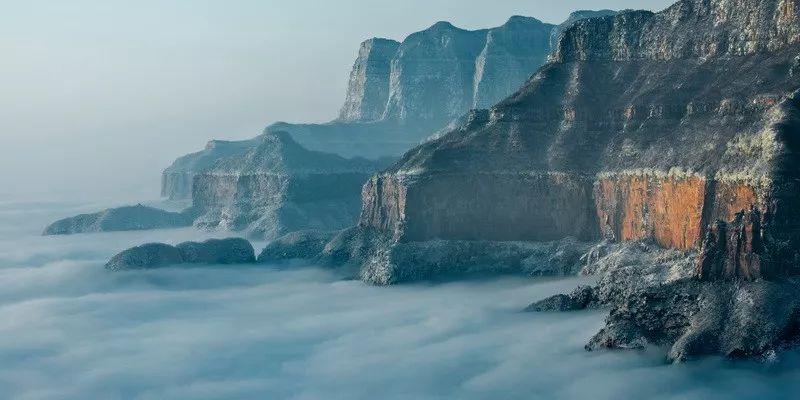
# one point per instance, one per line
(277, 187)
(645, 126)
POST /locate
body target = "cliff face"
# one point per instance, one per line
(277, 187)
(656, 125)
(368, 88)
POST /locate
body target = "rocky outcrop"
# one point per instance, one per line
(300, 245)
(580, 299)
(129, 218)
(573, 18)
(368, 88)
(177, 179)
(277, 187)
(156, 255)
(150, 255)
(645, 126)
(217, 251)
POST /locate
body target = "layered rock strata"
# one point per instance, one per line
(645, 126)
(278, 187)
(398, 94)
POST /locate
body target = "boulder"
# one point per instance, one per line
(218, 251)
(146, 256)
(156, 255)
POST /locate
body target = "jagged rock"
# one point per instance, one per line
(279, 187)
(692, 318)
(129, 218)
(304, 245)
(384, 261)
(573, 18)
(644, 127)
(218, 251)
(580, 299)
(733, 251)
(151, 255)
(156, 255)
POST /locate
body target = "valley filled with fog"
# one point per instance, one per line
(71, 329)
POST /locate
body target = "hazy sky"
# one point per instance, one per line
(97, 97)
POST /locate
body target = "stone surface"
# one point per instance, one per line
(129, 218)
(277, 187)
(157, 255)
(368, 88)
(217, 251)
(646, 126)
(151, 255)
(300, 245)
(573, 18)
(580, 299)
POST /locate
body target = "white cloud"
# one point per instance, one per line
(71, 330)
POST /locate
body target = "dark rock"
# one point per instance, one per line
(130, 218)
(146, 256)
(734, 320)
(580, 299)
(301, 245)
(212, 251)
(218, 251)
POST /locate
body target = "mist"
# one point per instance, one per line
(99, 96)
(69, 329)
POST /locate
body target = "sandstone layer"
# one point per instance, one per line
(645, 126)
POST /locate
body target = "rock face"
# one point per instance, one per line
(150, 255)
(130, 218)
(156, 255)
(400, 93)
(573, 18)
(176, 181)
(300, 245)
(278, 187)
(645, 126)
(217, 251)
(368, 88)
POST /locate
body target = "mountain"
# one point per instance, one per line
(277, 186)
(678, 131)
(399, 94)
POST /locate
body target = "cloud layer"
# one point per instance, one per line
(69, 329)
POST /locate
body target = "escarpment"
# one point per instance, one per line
(398, 95)
(279, 187)
(645, 126)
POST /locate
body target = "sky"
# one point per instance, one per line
(98, 96)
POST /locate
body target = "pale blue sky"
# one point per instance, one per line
(96, 97)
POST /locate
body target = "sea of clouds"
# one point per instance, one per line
(71, 330)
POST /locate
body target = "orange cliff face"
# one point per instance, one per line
(672, 210)
(667, 209)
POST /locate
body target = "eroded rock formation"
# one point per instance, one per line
(277, 187)
(645, 126)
